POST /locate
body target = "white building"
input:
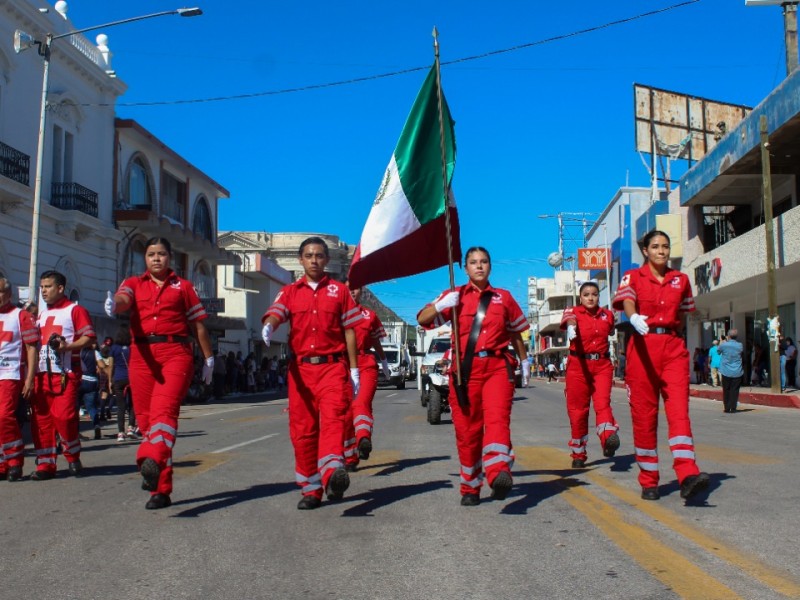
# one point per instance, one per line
(551, 297)
(159, 194)
(77, 234)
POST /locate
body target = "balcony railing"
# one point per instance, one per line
(14, 164)
(73, 196)
(205, 285)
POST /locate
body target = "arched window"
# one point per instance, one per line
(204, 281)
(134, 261)
(201, 223)
(139, 185)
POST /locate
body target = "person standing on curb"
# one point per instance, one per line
(655, 299)
(714, 362)
(18, 352)
(730, 352)
(322, 342)
(589, 373)
(165, 310)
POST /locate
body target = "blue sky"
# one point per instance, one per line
(542, 129)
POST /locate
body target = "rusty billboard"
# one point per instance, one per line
(681, 126)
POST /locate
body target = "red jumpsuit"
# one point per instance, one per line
(589, 377)
(161, 368)
(17, 329)
(360, 422)
(483, 429)
(54, 404)
(319, 381)
(658, 363)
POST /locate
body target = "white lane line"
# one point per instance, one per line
(390, 395)
(227, 410)
(229, 448)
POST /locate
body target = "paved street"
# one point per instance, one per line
(234, 532)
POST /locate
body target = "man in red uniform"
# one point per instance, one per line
(655, 298)
(358, 437)
(322, 316)
(589, 373)
(18, 339)
(65, 328)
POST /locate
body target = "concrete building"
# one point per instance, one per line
(157, 193)
(721, 207)
(77, 234)
(552, 296)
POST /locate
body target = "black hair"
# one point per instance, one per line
(313, 240)
(59, 278)
(594, 284)
(155, 241)
(123, 336)
(650, 235)
(472, 249)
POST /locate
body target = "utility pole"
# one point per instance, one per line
(772, 291)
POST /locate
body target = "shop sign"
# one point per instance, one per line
(706, 274)
(213, 306)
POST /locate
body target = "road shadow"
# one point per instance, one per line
(382, 497)
(526, 495)
(701, 499)
(229, 498)
(620, 463)
(109, 470)
(399, 465)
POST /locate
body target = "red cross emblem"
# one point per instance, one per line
(50, 328)
(5, 336)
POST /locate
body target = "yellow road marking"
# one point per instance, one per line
(194, 464)
(661, 561)
(380, 460)
(250, 419)
(769, 576)
(729, 456)
(417, 418)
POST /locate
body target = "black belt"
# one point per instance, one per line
(485, 353)
(591, 355)
(322, 358)
(663, 331)
(163, 339)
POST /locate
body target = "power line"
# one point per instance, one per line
(319, 86)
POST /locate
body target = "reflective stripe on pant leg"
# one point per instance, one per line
(641, 376)
(577, 394)
(43, 430)
(331, 385)
(472, 477)
(647, 459)
(10, 434)
(497, 395)
(304, 429)
(602, 377)
(362, 404)
(676, 408)
(469, 429)
(363, 424)
(64, 411)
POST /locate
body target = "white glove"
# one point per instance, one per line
(355, 379)
(639, 323)
(449, 301)
(526, 373)
(572, 332)
(208, 369)
(109, 305)
(385, 368)
(266, 333)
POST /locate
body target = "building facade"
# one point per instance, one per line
(77, 235)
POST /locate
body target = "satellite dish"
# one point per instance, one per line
(555, 259)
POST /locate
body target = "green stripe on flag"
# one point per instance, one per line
(418, 154)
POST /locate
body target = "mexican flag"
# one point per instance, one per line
(405, 232)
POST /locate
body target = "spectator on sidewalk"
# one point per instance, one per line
(791, 363)
(714, 362)
(730, 352)
(218, 376)
(552, 372)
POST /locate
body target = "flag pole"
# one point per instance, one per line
(446, 189)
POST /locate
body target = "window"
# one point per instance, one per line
(139, 185)
(201, 223)
(63, 142)
(134, 261)
(173, 198)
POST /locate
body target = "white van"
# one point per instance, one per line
(398, 359)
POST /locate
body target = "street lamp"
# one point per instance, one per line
(22, 42)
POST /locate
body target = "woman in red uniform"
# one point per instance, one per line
(655, 298)
(358, 429)
(483, 433)
(589, 373)
(165, 311)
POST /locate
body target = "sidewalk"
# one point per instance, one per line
(747, 395)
